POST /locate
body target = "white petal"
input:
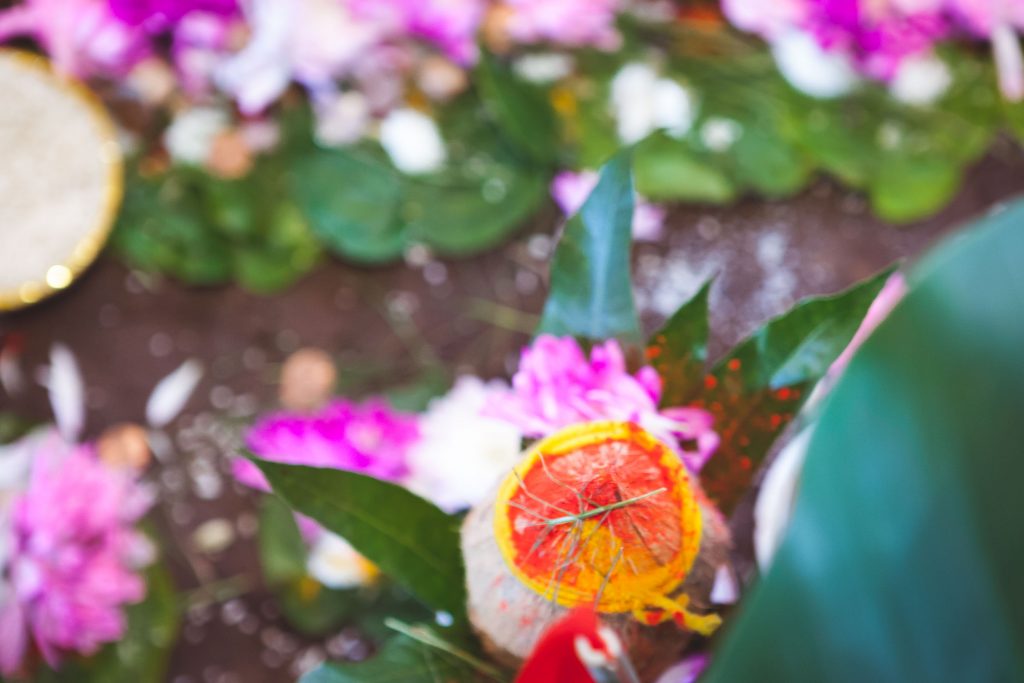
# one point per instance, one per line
(921, 80)
(336, 564)
(674, 108)
(413, 141)
(190, 136)
(172, 393)
(67, 392)
(724, 591)
(774, 505)
(810, 68)
(1009, 62)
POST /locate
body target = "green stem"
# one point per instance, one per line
(427, 637)
(604, 508)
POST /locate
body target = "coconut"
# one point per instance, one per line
(600, 514)
(60, 179)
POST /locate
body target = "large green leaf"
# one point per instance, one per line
(351, 201)
(755, 391)
(904, 558)
(463, 219)
(679, 350)
(591, 295)
(521, 109)
(411, 540)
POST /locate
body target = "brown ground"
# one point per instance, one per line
(129, 331)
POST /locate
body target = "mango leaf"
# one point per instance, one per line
(411, 540)
(756, 389)
(521, 109)
(679, 350)
(903, 559)
(351, 201)
(591, 295)
(401, 660)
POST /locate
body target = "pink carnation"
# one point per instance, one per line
(370, 439)
(573, 23)
(557, 386)
(73, 555)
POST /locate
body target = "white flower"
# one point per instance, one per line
(336, 564)
(413, 141)
(191, 134)
(543, 67)
(342, 119)
(719, 134)
(921, 80)
(810, 68)
(774, 505)
(642, 103)
(461, 455)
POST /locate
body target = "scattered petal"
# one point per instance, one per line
(172, 393)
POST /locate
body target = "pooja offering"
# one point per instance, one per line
(511, 341)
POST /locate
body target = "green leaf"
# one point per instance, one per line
(591, 295)
(903, 559)
(464, 219)
(907, 188)
(769, 163)
(401, 660)
(667, 169)
(351, 202)
(282, 550)
(679, 350)
(756, 390)
(411, 540)
(521, 110)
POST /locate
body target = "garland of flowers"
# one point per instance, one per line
(440, 124)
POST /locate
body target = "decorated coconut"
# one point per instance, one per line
(600, 514)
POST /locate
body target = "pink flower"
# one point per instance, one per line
(573, 23)
(370, 439)
(158, 14)
(892, 293)
(72, 555)
(451, 25)
(557, 386)
(570, 190)
(82, 37)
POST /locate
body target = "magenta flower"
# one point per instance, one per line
(451, 25)
(159, 14)
(572, 23)
(82, 37)
(371, 439)
(557, 386)
(71, 555)
(570, 190)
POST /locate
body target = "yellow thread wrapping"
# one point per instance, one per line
(644, 595)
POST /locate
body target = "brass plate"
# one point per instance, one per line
(41, 145)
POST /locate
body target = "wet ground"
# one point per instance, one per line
(383, 325)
